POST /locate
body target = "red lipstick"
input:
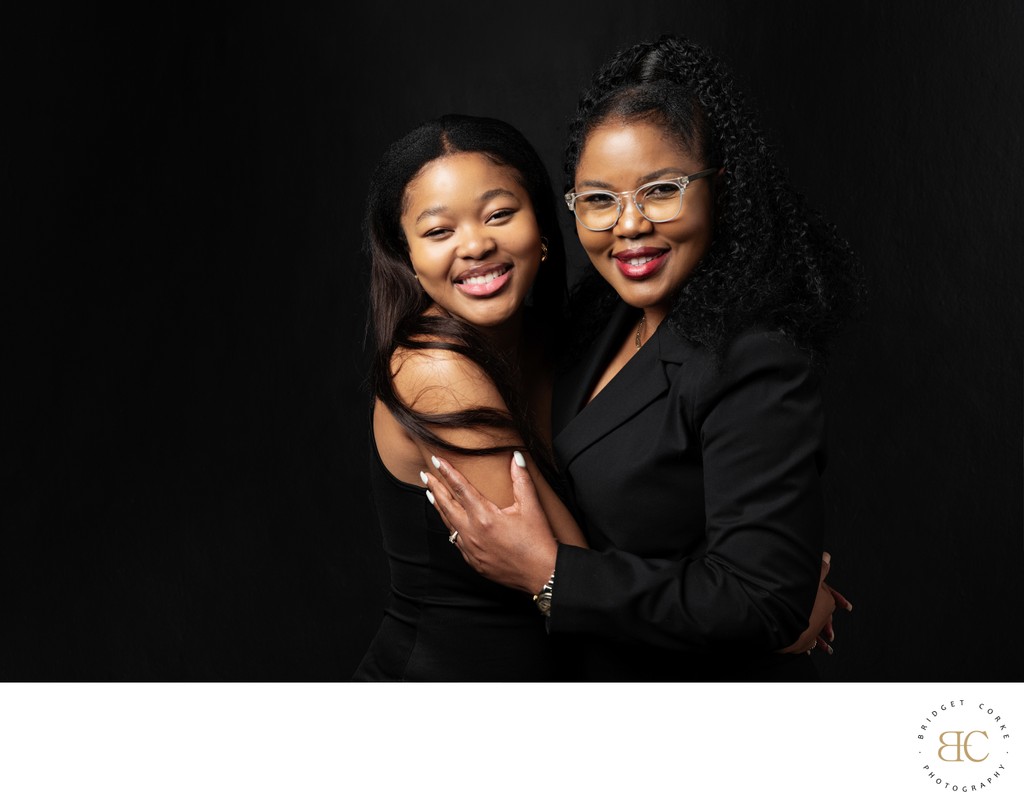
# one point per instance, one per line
(640, 263)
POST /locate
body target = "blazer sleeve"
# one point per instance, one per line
(761, 432)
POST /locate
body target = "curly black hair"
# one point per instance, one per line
(773, 261)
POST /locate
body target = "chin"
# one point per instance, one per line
(641, 297)
(486, 321)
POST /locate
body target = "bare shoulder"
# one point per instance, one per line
(437, 381)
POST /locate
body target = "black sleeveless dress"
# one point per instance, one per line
(442, 621)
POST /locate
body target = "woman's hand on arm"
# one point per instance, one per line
(440, 382)
(514, 546)
(820, 622)
(819, 633)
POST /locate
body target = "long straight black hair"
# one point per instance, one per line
(398, 302)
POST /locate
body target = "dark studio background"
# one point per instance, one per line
(184, 468)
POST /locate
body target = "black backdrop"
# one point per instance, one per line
(184, 467)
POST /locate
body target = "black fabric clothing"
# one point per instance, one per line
(442, 621)
(698, 487)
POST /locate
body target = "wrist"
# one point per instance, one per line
(541, 567)
(543, 597)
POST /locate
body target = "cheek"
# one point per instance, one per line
(700, 242)
(428, 262)
(692, 235)
(525, 246)
(594, 244)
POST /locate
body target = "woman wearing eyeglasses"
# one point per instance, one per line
(690, 426)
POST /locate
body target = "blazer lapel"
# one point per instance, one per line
(642, 380)
(572, 387)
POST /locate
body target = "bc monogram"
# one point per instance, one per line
(962, 744)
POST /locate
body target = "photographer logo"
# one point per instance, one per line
(964, 746)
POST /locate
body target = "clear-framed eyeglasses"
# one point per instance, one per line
(658, 202)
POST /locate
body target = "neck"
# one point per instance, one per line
(654, 316)
(506, 338)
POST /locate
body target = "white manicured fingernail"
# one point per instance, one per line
(430, 497)
(423, 477)
(436, 462)
(519, 459)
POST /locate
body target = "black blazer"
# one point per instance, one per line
(699, 490)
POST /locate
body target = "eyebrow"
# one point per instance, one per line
(650, 177)
(485, 197)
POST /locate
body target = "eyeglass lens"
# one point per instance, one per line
(657, 203)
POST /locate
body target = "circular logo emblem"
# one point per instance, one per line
(963, 746)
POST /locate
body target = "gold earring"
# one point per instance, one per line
(543, 249)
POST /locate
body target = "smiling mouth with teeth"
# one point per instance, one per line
(639, 267)
(480, 279)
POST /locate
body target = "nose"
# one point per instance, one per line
(631, 223)
(475, 242)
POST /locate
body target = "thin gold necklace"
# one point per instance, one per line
(639, 329)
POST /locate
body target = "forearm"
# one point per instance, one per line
(694, 604)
